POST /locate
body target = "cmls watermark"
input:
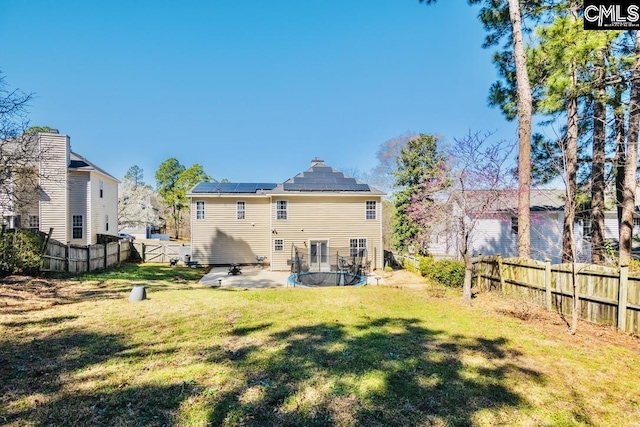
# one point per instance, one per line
(611, 15)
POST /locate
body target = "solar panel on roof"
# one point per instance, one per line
(232, 187)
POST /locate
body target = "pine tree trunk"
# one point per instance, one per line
(630, 180)
(571, 162)
(620, 157)
(597, 167)
(524, 131)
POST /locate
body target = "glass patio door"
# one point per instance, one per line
(319, 255)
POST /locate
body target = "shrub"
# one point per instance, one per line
(408, 265)
(20, 252)
(388, 269)
(426, 263)
(448, 272)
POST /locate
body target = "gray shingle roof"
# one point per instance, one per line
(507, 200)
(80, 163)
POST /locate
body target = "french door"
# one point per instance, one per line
(319, 255)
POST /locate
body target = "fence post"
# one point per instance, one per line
(67, 254)
(106, 253)
(479, 274)
(547, 284)
(143, 255)
(119, 246)
(502, 285)
(88, 258)
(622, 296)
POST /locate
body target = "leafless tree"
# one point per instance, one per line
(19, 152)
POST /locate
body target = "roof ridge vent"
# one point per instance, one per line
(317, 161)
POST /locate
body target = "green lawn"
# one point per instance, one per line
(80, 354)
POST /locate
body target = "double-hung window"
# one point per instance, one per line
(357, 247)
(106, 223)
(76, 226)
(514, 225)
(282, 209)
(278, 245)
(370, 211)
(34, 222)
(101, 187)
(199, 209)
(241, 210)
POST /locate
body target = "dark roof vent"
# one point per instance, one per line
(317, 162)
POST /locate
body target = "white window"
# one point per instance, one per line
(106, 222)
(240, 210)
(636, 222)
(34, 222)
(101, 186)
(370, 209)
(357, 247)
(76, 226)
(586, 228)
(199, 209)
(514, 225)
(278, 245)
(281, 209)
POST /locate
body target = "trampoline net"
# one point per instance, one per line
(327, 266)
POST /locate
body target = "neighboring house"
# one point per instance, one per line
(611, 229)
(75, 198)
(496, 231)
(496, 228)
(321, 212)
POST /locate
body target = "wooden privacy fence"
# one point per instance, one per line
(80, 259)
(608, 295)
(159, 252)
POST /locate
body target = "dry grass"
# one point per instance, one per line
(76, 352)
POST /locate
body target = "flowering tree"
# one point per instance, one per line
(480, 176)
(135, 206)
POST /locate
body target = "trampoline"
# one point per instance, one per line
(337, 267)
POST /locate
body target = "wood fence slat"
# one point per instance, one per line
(608, 295)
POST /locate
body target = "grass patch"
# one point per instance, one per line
(375, 356)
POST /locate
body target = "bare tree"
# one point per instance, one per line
(482, 180)
(19, 152)
(382, 175)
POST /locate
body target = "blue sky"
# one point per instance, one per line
(252, 90)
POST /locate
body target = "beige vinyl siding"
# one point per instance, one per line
(26, 198)
(79, 198)
(221, 239)
(53, 196)
(337, 218)
(99, 208)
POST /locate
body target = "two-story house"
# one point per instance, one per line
(73, 197)
(320, 212)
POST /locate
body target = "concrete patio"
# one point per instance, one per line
(257, 278)
(251, 278)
